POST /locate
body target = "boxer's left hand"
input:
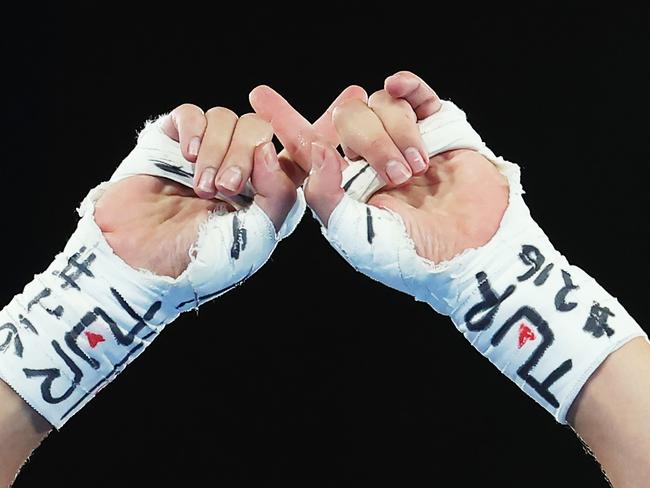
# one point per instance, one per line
(152, 222)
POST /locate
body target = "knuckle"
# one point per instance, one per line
(394, 108)
(188, 109)
(221, 113)
(403, 106)
(378, 98)
(409, 114)
(252, 118)
(397, 110)
(256, 122)
(343, 110)
(406, 73)
(380, 146)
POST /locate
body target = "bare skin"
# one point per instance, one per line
(611, 415)
(152, 222)
(445, 210)
(21, 431)
(456, 203)
(443, 206)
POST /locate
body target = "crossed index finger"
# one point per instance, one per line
(294, 131)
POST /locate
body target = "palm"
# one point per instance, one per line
(456, 205)
(152, 222)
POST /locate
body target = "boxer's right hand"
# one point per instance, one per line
(448, 204)
(460, 237)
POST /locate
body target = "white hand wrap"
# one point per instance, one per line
(544, 323)
(78, 324)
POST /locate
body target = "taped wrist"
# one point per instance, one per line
(544, 323)
(89, 314)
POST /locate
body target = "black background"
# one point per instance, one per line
(312, 374)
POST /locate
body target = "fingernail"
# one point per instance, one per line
(397, 172)
(270, 157)
(414, 158)
(194, 146)
(317, 156)
(206, 183)
(231, 178)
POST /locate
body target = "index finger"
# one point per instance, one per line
(324, 126)
(294, 131)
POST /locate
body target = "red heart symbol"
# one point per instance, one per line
(94, 339)
(525, 334)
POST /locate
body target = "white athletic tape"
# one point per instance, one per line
(79, 323)
(544, 323)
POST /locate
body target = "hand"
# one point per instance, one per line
(454, 204)
(152, 222)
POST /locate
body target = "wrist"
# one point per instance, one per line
(611, 414)
(17, 415)
(22, 430)
(79, 323)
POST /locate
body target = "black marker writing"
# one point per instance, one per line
(524, 371)
(596, 323)
(238, 237)
(532, 257)
(77, 268)
(51, 374)
(489, 307)
(371, 230)
(44, 293)
(12, 335)
(561, 305)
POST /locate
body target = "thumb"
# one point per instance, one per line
(275, 192)
(323, 188)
